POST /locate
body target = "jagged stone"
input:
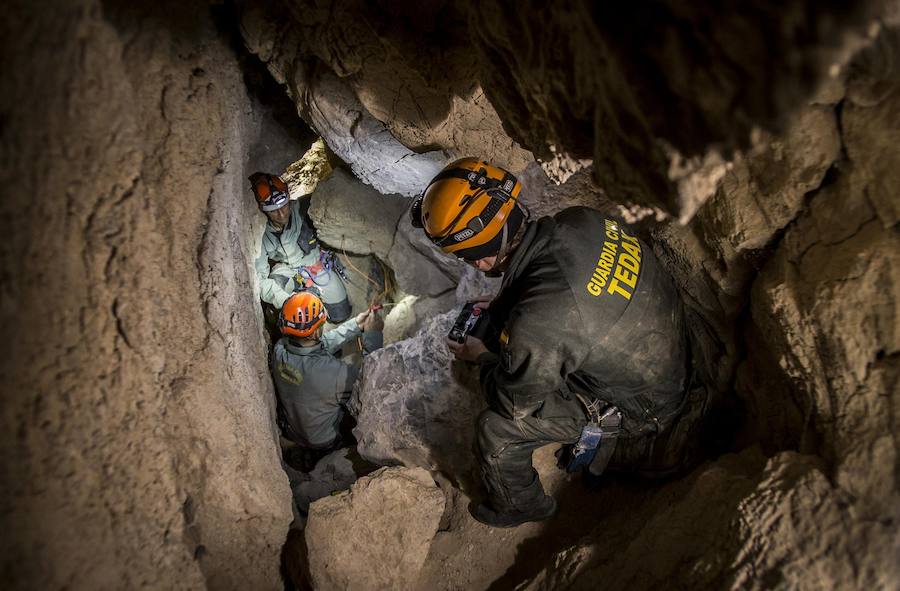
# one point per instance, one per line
(350, 216)
(474, 285)
(376, 535)
(333, 473)
(304, 175)
(415, 405)
(420, 268)
(764, 192)
(623, 98)
(835, 283)
(871, 123)
(407, 315)
(422, 97)
(781, 526)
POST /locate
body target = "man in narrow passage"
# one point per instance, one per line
(591, 332)
(290, 258)
(312, 384)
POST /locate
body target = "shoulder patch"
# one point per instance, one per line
(290, 374)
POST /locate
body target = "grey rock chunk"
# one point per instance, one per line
(354, 217)
(420, 267)
(416, 406)
(332, 473)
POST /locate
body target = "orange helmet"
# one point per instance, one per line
(470, 209)
(302, 314)
(271, 192)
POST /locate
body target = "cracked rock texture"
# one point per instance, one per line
(740, 523)
(377, 534)
(658, 97)
(395, 106)
(416, 406)
(139, 447)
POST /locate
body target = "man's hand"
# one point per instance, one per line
(468, 350)
(482, 301)
(369, 320)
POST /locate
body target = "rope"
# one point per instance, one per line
(386, 289)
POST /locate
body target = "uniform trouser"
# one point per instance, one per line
(505, 447)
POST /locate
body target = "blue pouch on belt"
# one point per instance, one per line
(584, 451)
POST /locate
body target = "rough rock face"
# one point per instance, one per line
(334, 472)
(657, 106)
(304, 175)
(139, 447)
(396, 121)
(354, 217)
(783, 526)
(377, 534)
(636, 87)
(416, 406)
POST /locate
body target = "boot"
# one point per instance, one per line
(488, 516)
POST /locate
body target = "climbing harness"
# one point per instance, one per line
(319, 275)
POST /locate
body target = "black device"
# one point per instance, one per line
(471, 321)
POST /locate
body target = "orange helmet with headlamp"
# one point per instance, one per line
(302, 314)
(271, 192)
(470, 209)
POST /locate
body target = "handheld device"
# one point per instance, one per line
(471, 320)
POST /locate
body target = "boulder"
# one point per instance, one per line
(335, 472)
(304, 175)
(415, 405)
(354, 217)
(420, 268)
(376, 535)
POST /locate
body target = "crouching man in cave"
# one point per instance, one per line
(591, 333)
(291, 244)
(312, 384)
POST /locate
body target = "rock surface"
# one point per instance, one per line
(638, 93)
(415, 405)
(304, 175)
(396, 121)
(353, 217)
(775, 525)
(377, 534)
(333, 473)
(139, 444)
(139, 448)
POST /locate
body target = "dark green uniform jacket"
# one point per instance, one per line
(586, 307)
(312, 384)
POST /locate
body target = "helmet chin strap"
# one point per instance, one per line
(495, 271)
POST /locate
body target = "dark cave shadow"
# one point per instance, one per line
(581, 514)
(619, 510)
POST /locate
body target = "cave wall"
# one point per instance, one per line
(659, 95)
(389, 86)
(139, 447)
